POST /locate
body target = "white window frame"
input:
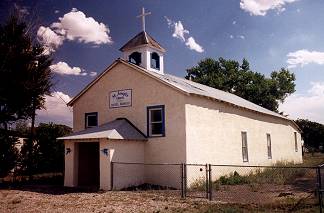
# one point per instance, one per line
(87, 115)
(296, 141)
(269, 147)
(245, 147)
(150, 122)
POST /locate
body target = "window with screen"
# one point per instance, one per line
(91, 119)
(245, 154)
(269, 146)
(156, 121)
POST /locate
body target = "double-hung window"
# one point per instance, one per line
(91, 119)
(245, 154)
(296, 144)
(155, 121)
(269, 146)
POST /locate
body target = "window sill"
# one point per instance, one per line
(156, 136)
(88, 127)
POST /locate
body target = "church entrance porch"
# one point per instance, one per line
(88, 164)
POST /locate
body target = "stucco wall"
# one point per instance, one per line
(146, 91)
(213, 133)
(71, 164)
(125, 175)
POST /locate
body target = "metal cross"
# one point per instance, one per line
(143, 17)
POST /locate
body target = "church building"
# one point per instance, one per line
(135, 112)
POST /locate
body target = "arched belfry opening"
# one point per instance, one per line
(143, 50)
(155, 61)
(135, 58)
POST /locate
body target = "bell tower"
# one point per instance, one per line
(143, 50)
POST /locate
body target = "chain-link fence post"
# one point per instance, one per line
(319, 188)
(207, 181)
(185, 179)
(182, 180)
(111, 176)
(210, 182)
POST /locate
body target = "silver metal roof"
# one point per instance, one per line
(206, 91)
(120, 129)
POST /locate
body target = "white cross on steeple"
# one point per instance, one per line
(143, 17)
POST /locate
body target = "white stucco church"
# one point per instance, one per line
(135, 112)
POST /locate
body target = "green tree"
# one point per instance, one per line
(25, 77)
(236, 78)
(50, 156)
(313, 133)
(8, 152)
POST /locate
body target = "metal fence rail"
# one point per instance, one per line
(286, 188)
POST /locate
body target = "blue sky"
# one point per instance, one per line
(84, 38)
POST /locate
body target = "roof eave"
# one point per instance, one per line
(143, 45)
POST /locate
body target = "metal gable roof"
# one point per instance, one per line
(119, 129)
(191, 87)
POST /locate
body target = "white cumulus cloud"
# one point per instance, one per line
(76, 26)
(307, 106)
(49, 39)
(92, 74)
(304, 57)
(180, 32)
(191, 43)
(63, 68)
(56, 109)
(261, 7)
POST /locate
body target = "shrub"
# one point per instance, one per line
(8, 153)
(198, 184)
(233, 179)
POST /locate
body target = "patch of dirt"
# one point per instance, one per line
(264, 195)
(59, 199)
(42, 198)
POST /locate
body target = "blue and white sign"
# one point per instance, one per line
(120, 98)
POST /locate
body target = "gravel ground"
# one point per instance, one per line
(35, 200)
(45, 198)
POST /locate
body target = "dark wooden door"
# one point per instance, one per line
(89, 174)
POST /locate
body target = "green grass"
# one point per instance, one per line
(263, 175)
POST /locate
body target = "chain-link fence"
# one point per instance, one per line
(320, 185)
(160, 178)
(265, 187)
(269, 188)
(196, 180)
